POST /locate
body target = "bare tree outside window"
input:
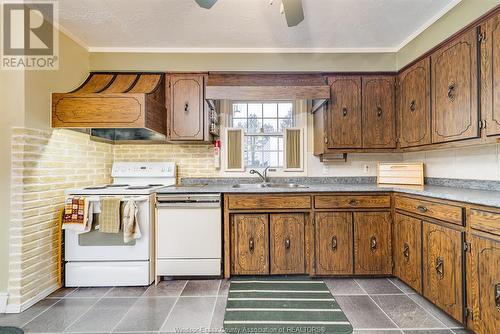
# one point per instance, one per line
(264, 124)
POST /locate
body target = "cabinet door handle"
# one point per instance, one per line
(406, 251)
(497, 295)
(373, 243)
(451, 91)
(287, 243)
(353, 202)
(186, 107)
(251, 245)
(334, 243)
(440, 267)
(413, 105)
(422, 208)
(344, 111)
(379, 111)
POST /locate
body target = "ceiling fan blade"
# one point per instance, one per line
(293, 12)
(207, 4)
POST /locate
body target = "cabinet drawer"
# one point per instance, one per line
(351, 201)
(486, 221)
(269, 202)
(445, 212)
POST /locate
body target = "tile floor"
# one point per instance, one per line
(197, 306)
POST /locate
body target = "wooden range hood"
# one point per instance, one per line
(268, 86)
(115, 107)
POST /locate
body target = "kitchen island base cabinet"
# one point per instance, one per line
(372, 243)
(333, 231)
(250, 244)
(442, 268)
(287, 243)
(484, 285)
(407, 250)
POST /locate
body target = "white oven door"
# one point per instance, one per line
(97, 246)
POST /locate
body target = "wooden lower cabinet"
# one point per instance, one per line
(442, 268)
(333, 248)
(372, 243)
(483, 285)
(287, 243)
(250, 244)
(407, 250)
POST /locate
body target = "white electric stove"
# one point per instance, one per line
(103, 259)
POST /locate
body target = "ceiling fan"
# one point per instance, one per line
(292, 9)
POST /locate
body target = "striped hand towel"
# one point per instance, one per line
(109, 218)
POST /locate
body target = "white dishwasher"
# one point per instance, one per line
(188, 235)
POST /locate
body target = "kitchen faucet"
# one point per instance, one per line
(263, 176)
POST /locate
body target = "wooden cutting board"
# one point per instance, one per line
(411, 173)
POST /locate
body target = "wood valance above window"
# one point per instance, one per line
(267, 87)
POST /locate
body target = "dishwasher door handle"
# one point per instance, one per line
(190, 205)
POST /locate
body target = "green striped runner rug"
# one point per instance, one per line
(283, 305)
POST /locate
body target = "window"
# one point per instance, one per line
(263, 124)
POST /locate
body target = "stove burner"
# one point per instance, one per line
(95, 187)
(117, 185)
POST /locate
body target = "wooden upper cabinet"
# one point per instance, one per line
(378, 109)
(250, 244)
(442, 268)
(287, 243)
(186, 110)
(333, 232)
(372, 243)
(344, 116)
(454, 90)
(407, 250)
(414, 102)
(483, 285)
(490, 75)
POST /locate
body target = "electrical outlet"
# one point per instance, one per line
(325, 169)
(366, 169)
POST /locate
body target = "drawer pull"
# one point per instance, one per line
(334, 243)
(287, 243)
(344, 111)
(422, 208)
(413, 105)
(406, 251)
(379, 111)
(497, 295)
(251, 245)
(373, 244)
(440, 267)
(353, 202)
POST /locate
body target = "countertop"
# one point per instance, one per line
(472, 196)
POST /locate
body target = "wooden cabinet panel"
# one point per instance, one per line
(414, 101)
(269, 201)
(407, 250)
(287, 243)
(344, 116)
(442, 268)
(378, 109)
(486, 221)
(490, 75)
(454, 90)
(446, 212)
(372, 243)
(483, 285)
(351, 201)
(250, 244)
(333, 231)
(187, 107)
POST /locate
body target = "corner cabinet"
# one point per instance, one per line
(455, 90)
(379, 116)
(414, 105)
(187, 110)
(489, 36)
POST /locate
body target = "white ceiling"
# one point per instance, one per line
(247, 25)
